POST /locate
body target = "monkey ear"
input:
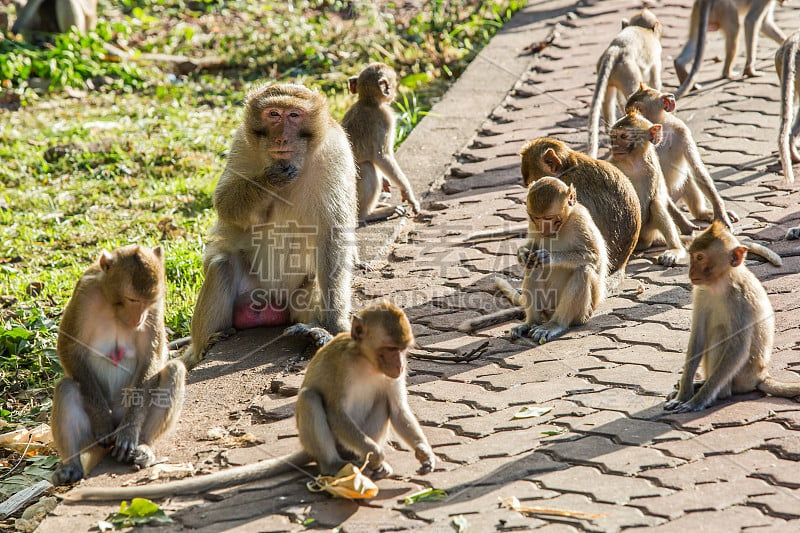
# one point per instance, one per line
(352, 83)
(106, 260)
(642, 86)
(357, 328)
(551, 161)
(572, 197)
(655, 133)
(625, 23)
(384, 85)
(737, 256)
(158, 252)
(669, 102)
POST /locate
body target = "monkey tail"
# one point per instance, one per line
(688, 83)
(468, 326)
(603, 75)
(224, 478)
(779, 388)
(763, 251)
(787, 111)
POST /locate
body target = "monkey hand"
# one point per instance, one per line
(793, 234)
(125, 444)
(670, 257)
(522, 256)
(426, 458)
(684, 407)
(538, 258)
(546, 332)
(384, 470)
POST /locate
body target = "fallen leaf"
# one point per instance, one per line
(529, 412)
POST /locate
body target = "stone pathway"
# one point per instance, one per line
(606, 446)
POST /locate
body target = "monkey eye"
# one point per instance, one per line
(294, 114)
(274, 113)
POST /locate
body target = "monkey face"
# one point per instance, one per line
(391, 360)
(283, 126)
(547, 225)
(623, 141)
(132, 310)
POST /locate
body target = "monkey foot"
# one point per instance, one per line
(670, 258)
(67, 474)
(793, 233)
(678, 406)
(143, 456)
(750, 72)
(546, 333)
(320, 336)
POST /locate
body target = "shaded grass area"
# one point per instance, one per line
(99, 152)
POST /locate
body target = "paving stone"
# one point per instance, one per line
(621, 429)
(499, 444)
(652, 334)
(780, 472)
(713, 469)
(647, 356)
(782, 503)
(776, 526)
(705, 497)
(785, 447)
(725, 441)
(610, 457)
(603, 488)
(491, 472)
(633, 376)
(623, 400)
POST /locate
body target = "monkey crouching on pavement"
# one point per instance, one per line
(733, 327)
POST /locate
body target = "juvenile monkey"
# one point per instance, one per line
(732, 327)
(56, 16)
(601, 188)
(632, 150)
(684, 172)
(370, 124)
(118, 388)
(565, 263)
(353, 390)
(282, 249)
(632, 57)
(786, 60)
(710, 15)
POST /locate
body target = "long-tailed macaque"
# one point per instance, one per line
(353, 390)
(370, 124)
(685, 174)
(283, 246)
(786, 60)
(732, 327)
(601, 188)
(710, 15)
(565, 263)
(56, 16)
(118, 388)
(632, 150)
(632, 57)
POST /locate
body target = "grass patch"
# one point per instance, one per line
(98, 153)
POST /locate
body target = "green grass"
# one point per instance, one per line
(159, 139)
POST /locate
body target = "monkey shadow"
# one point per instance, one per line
(261, 348)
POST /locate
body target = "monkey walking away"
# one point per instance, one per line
(283, 247)
(370, 124)
(684, 173)
(354, 389)
(733, 326)
(786, 60)
(564, 260)
(709, 15)
(55, 16)
(632, 57)
(118, 390)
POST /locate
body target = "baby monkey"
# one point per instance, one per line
(565, 263)
(370, 124)
(732, 327)
(118, 388)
